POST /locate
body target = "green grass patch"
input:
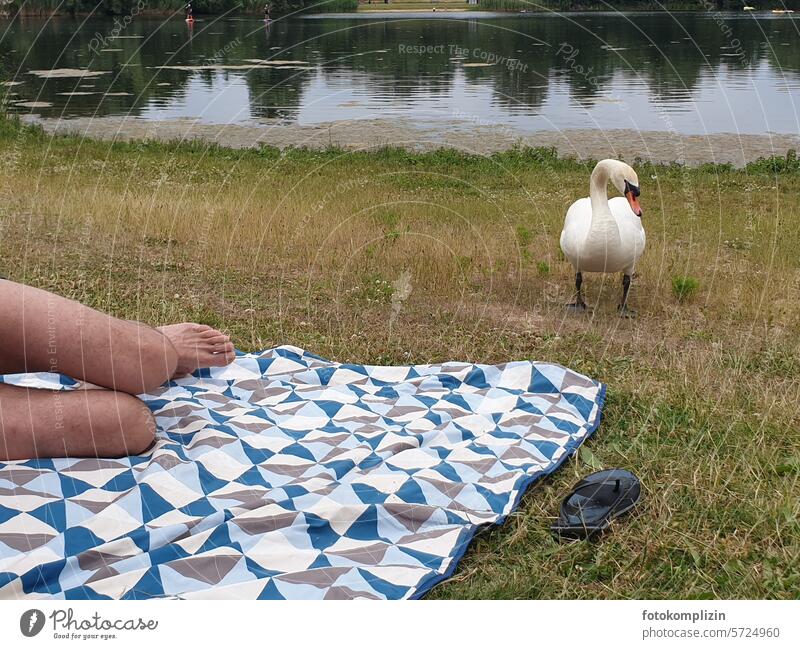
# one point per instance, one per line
(684, 287)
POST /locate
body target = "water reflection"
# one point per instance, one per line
(646, 71)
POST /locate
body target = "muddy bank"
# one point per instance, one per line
(656, 146)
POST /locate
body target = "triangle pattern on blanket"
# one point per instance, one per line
(287, 476)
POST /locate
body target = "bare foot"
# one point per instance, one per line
(198, 346)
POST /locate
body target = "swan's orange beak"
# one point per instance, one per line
(633, 201)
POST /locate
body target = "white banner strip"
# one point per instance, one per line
(401, 625)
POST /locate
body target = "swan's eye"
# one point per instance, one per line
(633, 189)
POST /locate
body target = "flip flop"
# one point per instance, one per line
(595, 502)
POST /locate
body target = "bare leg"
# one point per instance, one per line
(43, 332)
(623, 309)
(578, 304)
(78, 423)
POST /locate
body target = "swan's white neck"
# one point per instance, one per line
(603, 224)
(598, 188)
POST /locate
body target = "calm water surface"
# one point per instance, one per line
(679, 72)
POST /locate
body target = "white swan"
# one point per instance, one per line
(605, 236)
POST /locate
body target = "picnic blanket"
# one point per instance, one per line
(289, 476)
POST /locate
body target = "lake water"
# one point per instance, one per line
(685, 72)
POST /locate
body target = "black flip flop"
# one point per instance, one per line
(595, 501)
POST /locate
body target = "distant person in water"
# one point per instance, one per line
(43, 332)
(267, 10)
(189, 15)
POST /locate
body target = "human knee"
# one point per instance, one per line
(138, 426)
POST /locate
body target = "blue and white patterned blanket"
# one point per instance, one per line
(288, 476)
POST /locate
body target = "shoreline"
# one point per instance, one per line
(660, 147)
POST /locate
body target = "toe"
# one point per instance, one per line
(225, 358)
(211, 333)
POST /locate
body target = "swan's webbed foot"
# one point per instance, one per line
(625, 312)
(577, 307)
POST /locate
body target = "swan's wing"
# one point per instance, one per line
(579, 216)
(578, 211)
(576, 226)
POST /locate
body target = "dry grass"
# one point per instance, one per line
(314, 249)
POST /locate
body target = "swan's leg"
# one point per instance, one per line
(623, 309)
(578, 304)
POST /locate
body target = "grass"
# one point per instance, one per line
(327, 6)
(391, 257)
(684, 287)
